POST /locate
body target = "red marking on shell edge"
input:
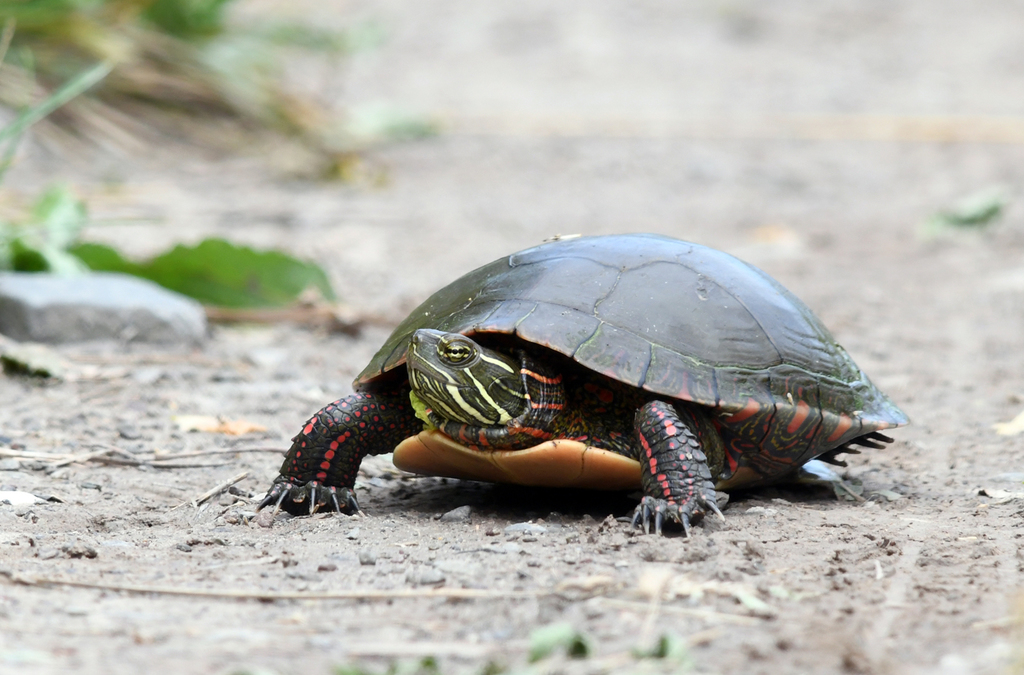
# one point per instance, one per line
(670, 428)
(321, 475)
(802, 411)
(308, 429)
(733, 464)
(325, 465)
(329, 455)
(844, 425)
(750, 409)
(654, 465)
(662, 477)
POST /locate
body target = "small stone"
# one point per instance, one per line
(327, 567)
(353, 534)
(525, 528)
(459, 515)
(265, 518)
(148, 375)
(10, 464)
(185, 548)
(18, 499)
(87, 485)
(129, 432)
(756, 511)
(79, 550)
(425, 576)
(367, 557)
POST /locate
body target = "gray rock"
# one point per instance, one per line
(459, 515)
(96, 306)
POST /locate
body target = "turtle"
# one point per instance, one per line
(613, 362)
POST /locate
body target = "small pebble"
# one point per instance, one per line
(10, 464)
(79, 550)
(525, 528)
(265, 518)
(459, 515)
(353, 534)
(129, 432)
(183, 547)
(425, 576)
(367, 557)
(327, 567)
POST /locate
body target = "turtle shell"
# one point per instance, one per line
(674, 318)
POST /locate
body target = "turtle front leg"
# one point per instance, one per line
(673, 446)
(321, 466)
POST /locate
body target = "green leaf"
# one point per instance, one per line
(544, 641)
(669, 647)
(217, 272)
(975, 211)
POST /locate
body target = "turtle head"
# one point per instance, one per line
(464, 382)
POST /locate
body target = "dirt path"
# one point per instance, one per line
(704, 123)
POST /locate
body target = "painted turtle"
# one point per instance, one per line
(619, 362)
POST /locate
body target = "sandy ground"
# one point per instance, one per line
(751, 128)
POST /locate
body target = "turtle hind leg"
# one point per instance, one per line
(673, 446)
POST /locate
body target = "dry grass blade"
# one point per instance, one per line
(696, 612)
(238, 594)
(216, 489)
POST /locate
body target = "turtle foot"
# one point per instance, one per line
(292, 497)
(684, 514)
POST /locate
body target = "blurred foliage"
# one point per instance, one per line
(976, 211)
(169, 58)
(217, 272)
(214, 271)
(545, 640)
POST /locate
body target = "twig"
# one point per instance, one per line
(238, 594)
(216, 451)
(420, 649)
(699, 613)
(85, 457)
(1001, 622)
(216, 490)
(29, 454)
(158, 464)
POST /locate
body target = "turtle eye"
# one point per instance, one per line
(454, 352)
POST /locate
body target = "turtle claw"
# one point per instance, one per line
(662, 510)
(288, 494)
